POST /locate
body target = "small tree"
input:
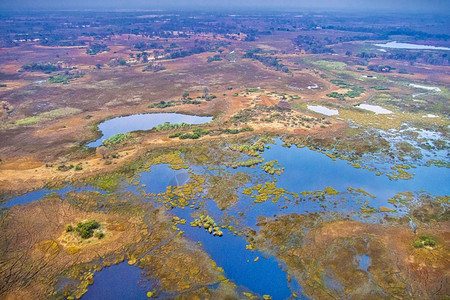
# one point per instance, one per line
(185, 95)
(103, 151)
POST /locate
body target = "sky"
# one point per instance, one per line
(418, 6)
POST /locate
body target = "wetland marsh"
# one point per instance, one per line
(214, 156)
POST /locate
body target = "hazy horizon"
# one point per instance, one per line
(407, 6)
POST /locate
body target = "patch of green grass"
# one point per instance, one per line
(47, 116)
(329, 65)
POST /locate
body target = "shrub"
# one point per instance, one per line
(425, 241)
(86, 230)
(99, 235)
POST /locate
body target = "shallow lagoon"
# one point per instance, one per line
(396, 45)
(120, 281)
(375, 108)
(131, 123)
(323, 110)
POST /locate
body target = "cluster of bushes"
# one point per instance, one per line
(380, 88)
(238, 130)
(184, 53)
(154, 67)
(380, 68)
(355, 91)
(78, 167)
(97, 48)
(65, 78)
(162, 104)
(116, 139)
(196, 134)
(169, 126)
(146, 46)
(214, 58)
(425, 241)
(273, 167)
(251, 150)
(46, 68)
(86, 230)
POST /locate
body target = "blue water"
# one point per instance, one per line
(142, 122)
(396, 45)
(364, 262)
(160, 176)
(37, 195)
(264, 276)
(120, 281)
(308, 170)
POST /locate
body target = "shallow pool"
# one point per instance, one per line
(131, 123)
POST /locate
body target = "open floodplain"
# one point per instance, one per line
(204, 156)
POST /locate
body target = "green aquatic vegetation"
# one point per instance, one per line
(261, 193)
(320, 195)
(224, 186)
(425, 240)
(245, 163)
(400, 173)
(355, 165)
(182, 196)
(272, 167)
(386, 209)
(368, 209)
(208, 224)
(361, 191)
(330, 191)
(401, 198)
(173, 158)
(254, 149)
(107, 182)
(438, 163)
(249, 295)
